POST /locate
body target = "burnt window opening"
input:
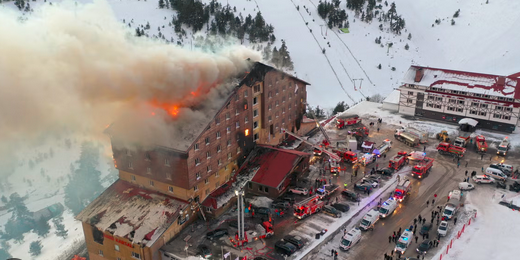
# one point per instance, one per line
(147, 157)
(97, 235)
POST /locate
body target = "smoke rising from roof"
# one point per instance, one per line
(77, 67)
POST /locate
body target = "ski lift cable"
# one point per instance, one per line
(352, 80)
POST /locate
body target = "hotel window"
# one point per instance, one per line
(228, 142)
(196, 147)
(206, 140)
(482, 114)
(130, 165)
(236, 97)
(206, 181)
(207, 191)
(228, 129)
(451, 108)
(229, 156)
(474, 104)
(276, 103)
(409, 101)
(219, 162)
(461, 102)
(431, 97)
(460, 110)
(228, 116)
(483, 105)
(152, 183)
(276, 114)
(208, 155)
(277, 92)
(238, 150)
(218, 135)
(283, 88)
(270, 107)
(101, 252)
(167, 162)
(473, 112)
(236, 111)
(245, 93)
(246, 119)
(116, 247)
(508, 109)
(497, 116)
(217, 185)
(255, 113)
(410, 93)
(283, 100)
(255, 100)
(133, 177)
(170, 189)
(216, 174)
(453, 101)
(217, 121)
(168, 176)
(255, 138)
(197, 175)
(269, 118)
(506, 117)
(438, 106)
(197, 161)
(283, 110)
(429, 105)
(255, 125)
(219, 148)
(148, 170)
(195, 188)
(270, 94)
(147, 157)
(439, 99)
(256, 88)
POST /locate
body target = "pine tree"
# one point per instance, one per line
(42, 227)
(36, 248)
(340, 107)
(452, 22)
(379, 66)
(456, 14)
(406, 47)
(161, 4)
(60, 228)
(409, 36)
(275, 59)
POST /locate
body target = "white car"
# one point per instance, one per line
(466, 186)
(443, 228)
(483, 179)
(301, 191)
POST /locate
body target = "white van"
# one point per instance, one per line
(350, 239)
(404, 241)
(369, 220)
(454, 194)
(387, 208)
(496, 173)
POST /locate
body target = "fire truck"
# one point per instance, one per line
(407, 138)
(347, 156)
(422, 136)
(367, 159)
(422, 169)
(384, 147)
(402, 189)
(398, 161)
(343, 121)
(308, 207)
(481, 143)
(334, 167)
(264, 230)
(449, 149)
(462, 140)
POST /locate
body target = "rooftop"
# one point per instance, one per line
(479, 83)
(275, 164)
(393, 98)
(128, 211)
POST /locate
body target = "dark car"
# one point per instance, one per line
(341, 207)
(385, 171)
(217, 233)
(350, 195)
(514, 187)
(425, 229)
(281, 205)
(331, 211)
(424, 246)
(204, 251)
(295, 240)
(262, 211)
(285, 248)
(363, 186)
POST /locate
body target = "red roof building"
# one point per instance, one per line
(275, 168)
(450, 96)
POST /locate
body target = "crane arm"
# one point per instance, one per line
(319, 125)
(330, 154)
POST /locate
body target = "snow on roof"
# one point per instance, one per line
(393, 98)
(275, 164)
(485, 84)
(261, 201)
(468, 121)
(123, 209)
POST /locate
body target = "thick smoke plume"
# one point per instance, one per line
(77, 67)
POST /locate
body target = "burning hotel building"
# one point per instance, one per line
(160, 190)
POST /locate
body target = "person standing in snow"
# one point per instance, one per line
(455, 221)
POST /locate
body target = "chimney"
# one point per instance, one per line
(419, 73)
(501, 81)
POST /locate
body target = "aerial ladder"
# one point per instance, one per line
(331, 154)
(327, 140)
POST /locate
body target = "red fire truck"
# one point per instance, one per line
(308, 207)
(347, 156)
(422, 169)
(398, 161)
(264, 230)
(402, 189)
(482, 145)
(449, 149)
(343, 121)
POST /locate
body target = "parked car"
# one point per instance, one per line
(341, 207)
(204, 251)
(466, 186)
(425, 229)
(280, 205)
(373, 180)
(443, 228)
(424, 247)
(350, 195)
(505, 168)
(262, 211)
(217, 233)
(285, 248)
(329, 210)
(483, 179)
(286, 198)
(298, 190)
(385, 171)
(295, 240)
(363, 185)
(514, 187)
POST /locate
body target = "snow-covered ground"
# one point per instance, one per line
(47, 189)
(493, 234)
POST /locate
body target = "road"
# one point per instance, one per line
(444, 177)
